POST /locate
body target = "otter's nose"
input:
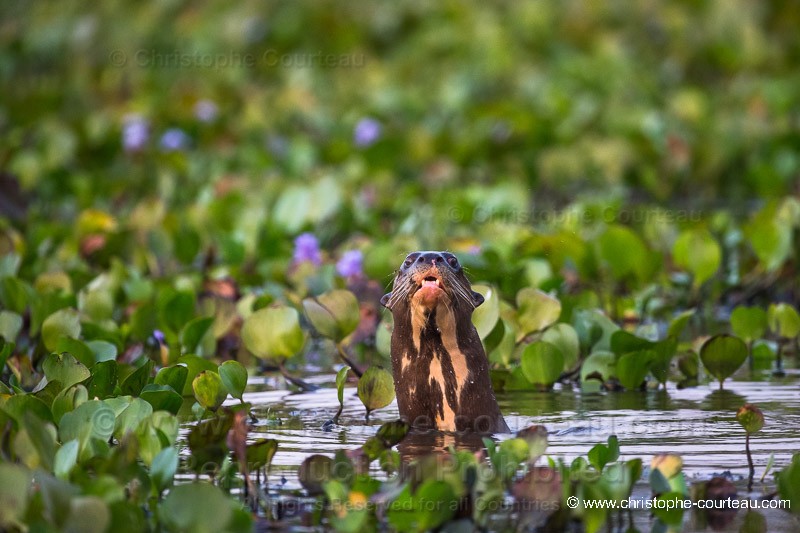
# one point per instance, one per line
(430, 257)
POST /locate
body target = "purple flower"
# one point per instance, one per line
(367, 132)
(306, 248)
(205, 111)
(351, 264)
(173, 140)
(135, 133)
(159, 336)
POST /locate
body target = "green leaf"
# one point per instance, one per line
(664, 353)
(771, 239)
(103, 381)
(78, 349)
(722, 355)
(234, 377)
(194, 365)
(624, 252)
(163, 468)
(334, 314)
(193, 332)
(62, 323)
(784, 320)
(16, 406)
(679, 323)
(162, 398)
(696, 251)
(174, 376)
(632, 368)
(102, 350)
(600, 365)
(750, 417)
(535, 311)
(197, 507)
(14, 493)
(92, 420)
(261, 452)
(341, 379)
(565, 338)
(177, 311)
(135, 382)
(209, 391)
(314, 472)
(749, 323)
(10, 325)
(485, 316)
(602, 454)
(273, 333)
(789, 483)
(376, 388)
(623, 342)
(66, 458)
(65, 369)
(130, 418)
(542, 363)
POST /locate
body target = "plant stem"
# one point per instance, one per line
(306, 387)
(346, 359)
(749, 462)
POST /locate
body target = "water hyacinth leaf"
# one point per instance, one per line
(722, 355)
(177, 311)
(17, 405)
(784, 320)
(392, 433)
(41, 439)
(65, 369)
(77, 348)
(485, 316)
(198, 507)
(209, 391)
(433, 504)
(62, 323)
(163, 468)
(632, 368)
(193, 332)
(789, 483)
(334, 314)
(104, 379)
(10, 325)
(770, 239)
(542, 364)
(662, 361)
(261, 452)
(624, 252)
(173, 376)
(594, 329)
(162, 398)
(65, 459)
(698, 252)
(376, 388)
(14, 294)
(6, 349)
(341, 380)
(273, 333)
(689, 365)
(602, 454)
(536, 437)
(314, 472)
(194, 365)
(565, 338)
(623, 342)
(670, 514)
(90, 420)
(748, 323)
(102, 350)
(750, 418)
(68, 400)
(536, 310)
(207, 442)
(135, 382)
(130, 418)
(14, 494)
(679, 323)
(234, 378)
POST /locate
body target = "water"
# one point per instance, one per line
(696, 423)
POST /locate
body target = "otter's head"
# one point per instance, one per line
(427, 279)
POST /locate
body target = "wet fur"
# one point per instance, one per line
(441, 373)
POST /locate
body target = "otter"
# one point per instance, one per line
(440, 369)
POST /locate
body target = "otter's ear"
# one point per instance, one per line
(385, 300)
(477, 298)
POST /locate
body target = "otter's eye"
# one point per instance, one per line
(453, 262)
(407, 263)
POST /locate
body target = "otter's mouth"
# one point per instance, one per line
(430, 282)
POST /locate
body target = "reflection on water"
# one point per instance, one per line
(697, 423)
